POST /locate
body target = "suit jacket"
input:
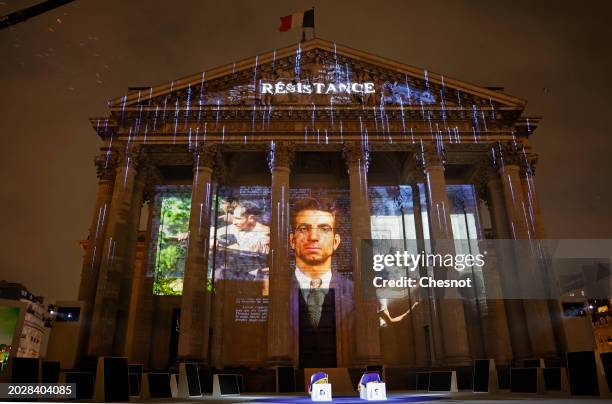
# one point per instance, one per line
(317, 345)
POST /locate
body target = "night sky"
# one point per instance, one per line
(60, 68)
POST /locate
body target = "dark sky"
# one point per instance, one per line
(58, 69)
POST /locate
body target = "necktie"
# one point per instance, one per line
(315, 302)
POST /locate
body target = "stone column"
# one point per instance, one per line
(505, 327)
(538, 319)
(105, 167)
(421, 315)
(527, 171)
(366, 329)
(127, 278)
(140, 323)
(450, 312)
(195, 301)
(114, 259)
(220, 177)
(281, 324)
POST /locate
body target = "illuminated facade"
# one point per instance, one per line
(405, 154)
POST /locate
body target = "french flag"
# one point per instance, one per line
(296, 20)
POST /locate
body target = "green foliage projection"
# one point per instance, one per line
(172, 245)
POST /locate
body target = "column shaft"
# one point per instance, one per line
(92, 258)
(127, 279)
(195, 301)
(114, 260)
(421, 315)
(506, 320)
(538, 320)
(141, 310)
(450, 312)
(281, 325)
(366, 329)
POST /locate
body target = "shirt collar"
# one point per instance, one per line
(304, 281)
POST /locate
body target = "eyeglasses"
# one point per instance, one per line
(324, 229)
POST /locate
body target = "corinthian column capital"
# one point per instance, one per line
(484, 171)
(128, 154)
(507, 153)
(412, 170)
(431, 155)
(356, 153)
(106, 166)
(205, 156)
(280, 154)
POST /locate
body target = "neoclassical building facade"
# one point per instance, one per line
(413, 155)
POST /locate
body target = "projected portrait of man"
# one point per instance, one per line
(314, 239)
(244, 243)
(251, 234)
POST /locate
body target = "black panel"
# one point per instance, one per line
(422, 380)
(503, 377)
(134, 384)
(481, 375)
(229, 384)
(193, 379)
(524, 380)
(608, 373)
(400, 379)
(50, 372)
(25, 370)
(552, 378)
(84, 384)
(465, 377)
(582, 373)
(286, 379)
(440, 381)
(206, 381)
(299, 380)
(606, 358)
(240, 382)
(116, 380)
(355, 375)
(159, 385)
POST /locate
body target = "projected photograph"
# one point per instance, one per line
(335, 207)
(240, 235)
(171, 241)
(396, 227)
(392, 220)
(9, 316)
(321, 266)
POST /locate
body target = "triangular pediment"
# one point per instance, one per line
(316, 61)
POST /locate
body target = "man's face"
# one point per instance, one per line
(241, 220)
(314, 238)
